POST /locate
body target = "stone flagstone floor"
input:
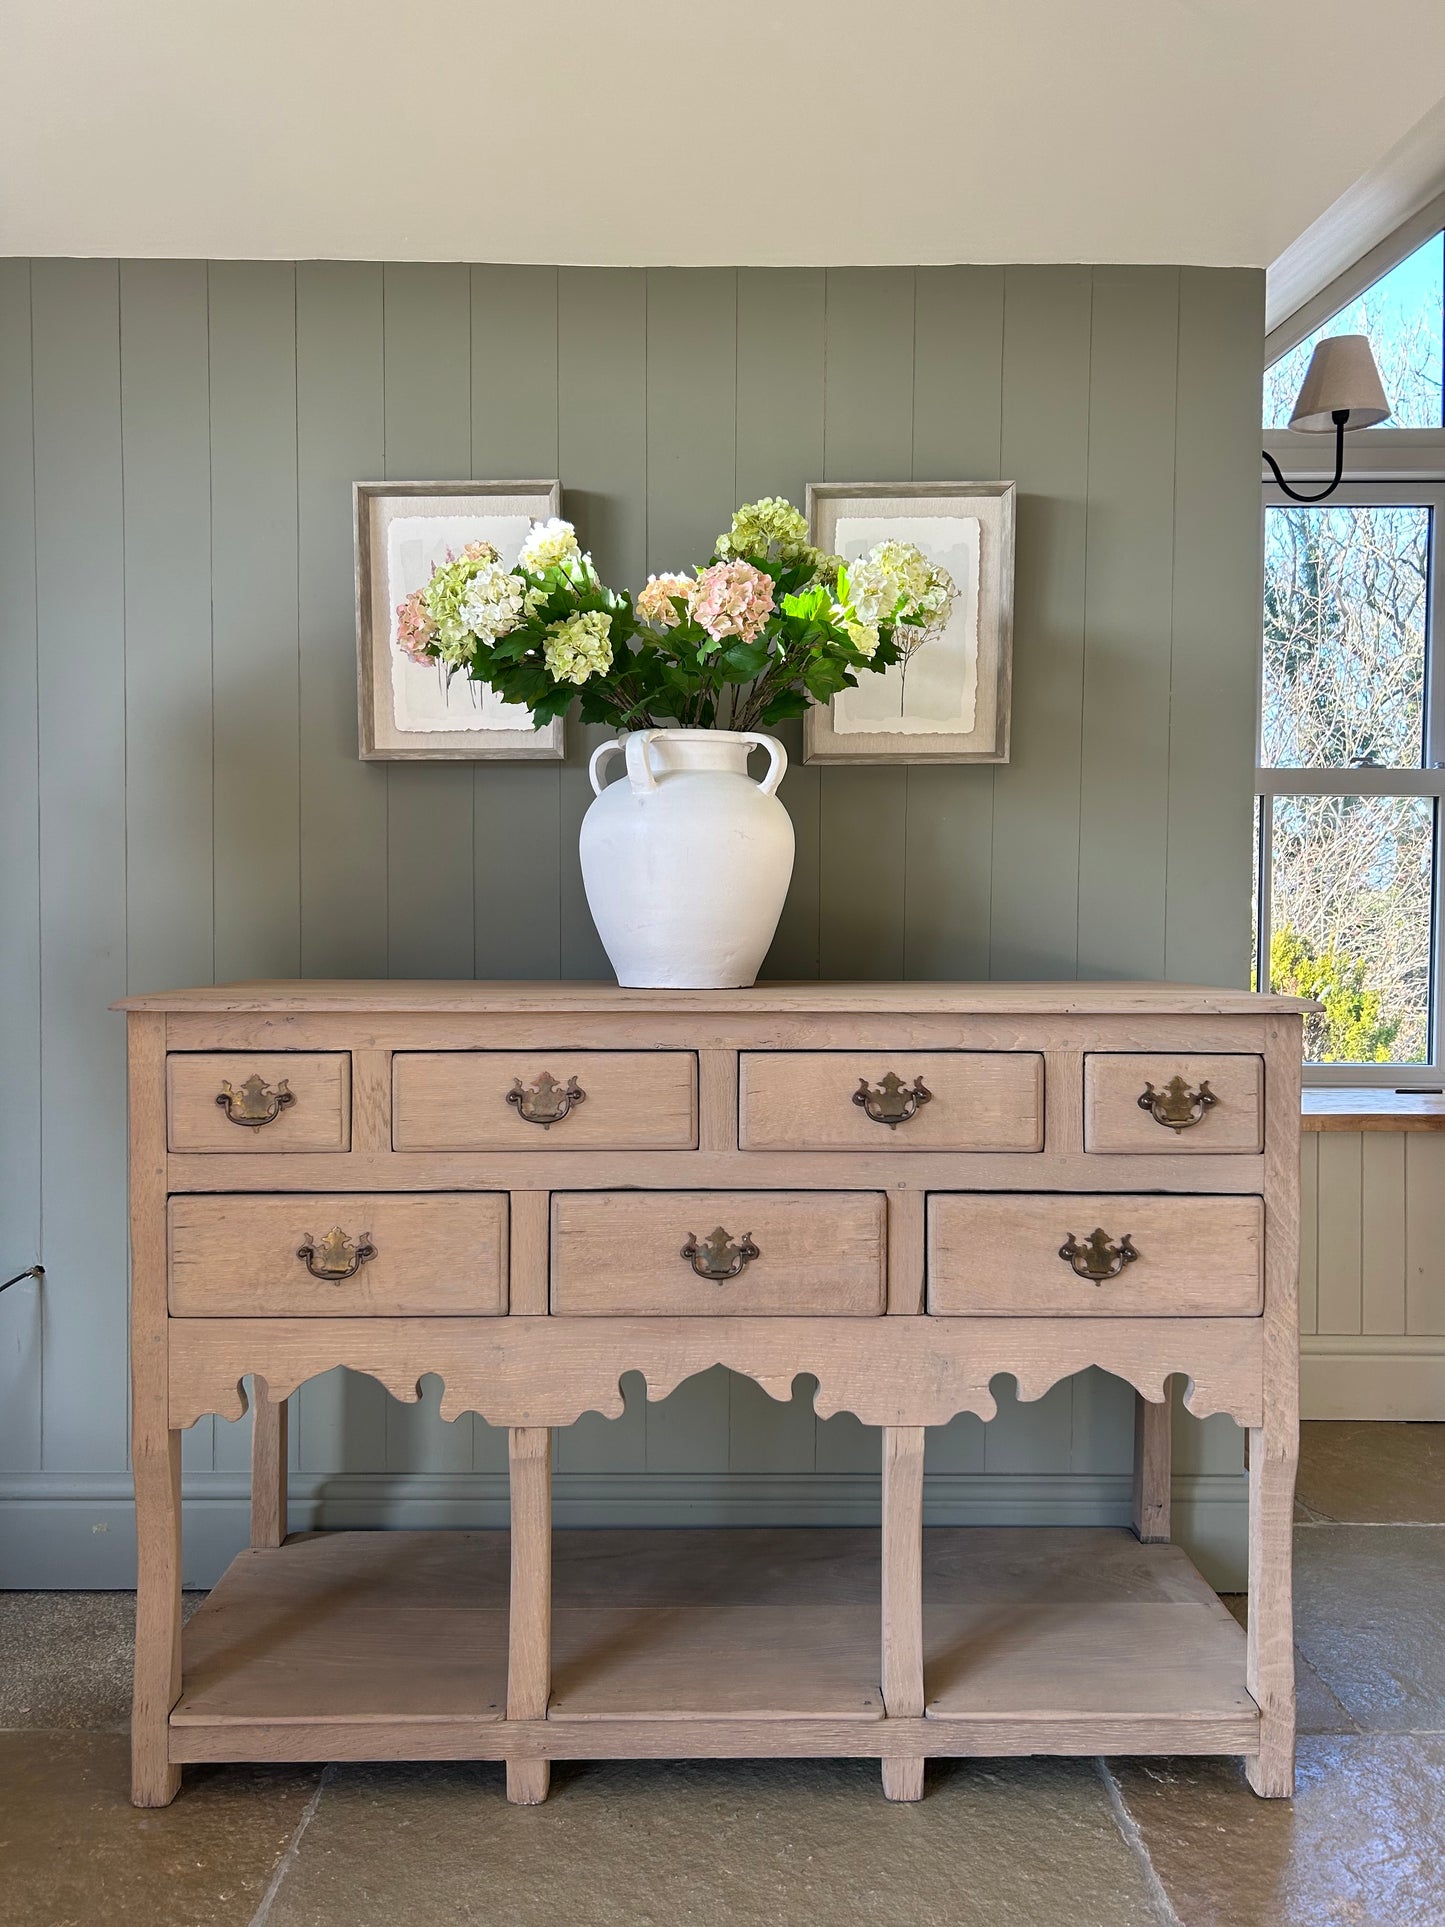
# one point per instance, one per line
(1174, 1843)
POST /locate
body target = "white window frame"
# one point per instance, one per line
(1401, 466)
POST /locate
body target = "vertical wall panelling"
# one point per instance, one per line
(516, 806)
(80, 565)
(1129, 572)
(196, 435)
(1382, 1231)
(868, 437)
(602, 448)
(1425, 1236)
(1033, 917)
(780, 387)
(21, 1309)
(427, 347)
(255, 718)
(166, 453)
(340, 433)
(957, 402)
(1339, 1232)
(1214, 657)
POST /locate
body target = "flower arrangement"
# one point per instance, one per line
(767, 625)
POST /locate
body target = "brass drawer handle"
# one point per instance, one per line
(335, 1258)
(547, 1102)
(717, 1258)
(1176, 1106)
(1096, 1259)
(255, 1103)
(892, 1103)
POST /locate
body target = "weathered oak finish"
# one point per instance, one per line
(1115, 1120)
(238, 1257)
(530, 1269)
(1000, 1257)
(317, 1117)
(630, 1100)
(807, 1101)
(617, 1253)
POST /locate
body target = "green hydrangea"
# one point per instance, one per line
(445, 595)
(579, 646)
(770, 530)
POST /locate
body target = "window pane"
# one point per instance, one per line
(1401, 314)
(1344, 636)
(1350, 922)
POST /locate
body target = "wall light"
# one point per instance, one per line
(1341, 389)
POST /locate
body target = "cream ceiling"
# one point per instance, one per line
(687, 131)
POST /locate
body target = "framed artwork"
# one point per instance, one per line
(948, 700)
(409, 710)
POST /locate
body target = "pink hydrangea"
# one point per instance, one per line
(733, 599)
(414, 627)
(655, 601)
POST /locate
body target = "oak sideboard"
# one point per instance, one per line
(901, 1190)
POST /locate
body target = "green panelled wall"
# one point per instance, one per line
(183, 799)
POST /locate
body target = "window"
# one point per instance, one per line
(1352, 708)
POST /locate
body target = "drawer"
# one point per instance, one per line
(718, 1254)
(1034, 1255)
(1184, 1103)
(428, 1255)
(561, 1100)
(260, 1101)
(891, 1100)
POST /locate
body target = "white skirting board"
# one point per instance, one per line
(60, 1530)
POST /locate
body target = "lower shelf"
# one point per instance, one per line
(725, 1643)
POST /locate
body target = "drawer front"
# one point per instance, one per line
(891, 1100)
(561, 1100)
(429, 1255)
(1184, 1104)
(990, 1255)
(718, 1254)
(261, 1101)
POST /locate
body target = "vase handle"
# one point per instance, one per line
(639, 770)
(777, 759)
(598, 758)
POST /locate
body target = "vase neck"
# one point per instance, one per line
(673, 751)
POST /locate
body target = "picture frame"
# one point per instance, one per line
(407, 711)
(957, 709)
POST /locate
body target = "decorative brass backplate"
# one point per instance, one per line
(547, 1102)
(893, 1102)
(1176, 1106)
(255, 1103)
(1096, 1259)
(335, 1258)
(717, 1257)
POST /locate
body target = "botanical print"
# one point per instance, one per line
(933, 688)
(428, 693)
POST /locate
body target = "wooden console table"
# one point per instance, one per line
(530, 1189)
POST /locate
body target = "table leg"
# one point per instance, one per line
(529, 1658)
(1153, 1467)
(268, 1466)
(903, 1597)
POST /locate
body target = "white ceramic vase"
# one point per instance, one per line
(686, 860)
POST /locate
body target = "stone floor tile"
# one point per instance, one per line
(1362, 1473)
(693, 1844)
(1362, 1844)
(1316, 1708)
(1370, 1619)
(75, 1853)
(68, 1658)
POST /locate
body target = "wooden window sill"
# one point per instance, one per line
(1372, 1108)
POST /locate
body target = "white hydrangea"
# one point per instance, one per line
(495, 602)
(896, 582)
(579, 646)
(549, 545)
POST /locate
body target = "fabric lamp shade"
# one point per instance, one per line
(1341, 376)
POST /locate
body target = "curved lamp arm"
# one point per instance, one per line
(1339, 417)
